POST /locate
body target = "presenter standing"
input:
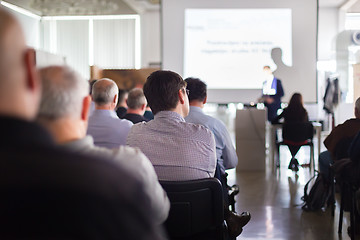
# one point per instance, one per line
(272, 93)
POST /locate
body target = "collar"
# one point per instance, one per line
(103, 112)
(80, 144)
(196, 109)
(19, 132)
(169, 115)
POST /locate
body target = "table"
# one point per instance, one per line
(272, 144)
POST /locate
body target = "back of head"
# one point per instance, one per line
(123, 94)
(161, 90)
(357, 108)
(62, 93)
(104, 91)
(197, 89)
(296, 101)
(136, 99)
(19, 92)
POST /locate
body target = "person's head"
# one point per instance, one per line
(197, 90)
(166, 91)
(136, 100)
(123, 95)
(65, 100)
(105, 94)
(92, 82)
(357, 108)
(296, 101)
(19, 84)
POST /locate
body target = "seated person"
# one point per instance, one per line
(136, 103)
(225, 150)
(294, 113)
(48, 192)
(68, 128)
(346, 130)
(178, 150)
(121, 108)
(105, 126)
(148, 113)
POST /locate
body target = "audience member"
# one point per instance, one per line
(122, 106)
(48, 192)
(225, 151)
(64, 112)
(344, 132)
(178, 150)
(136, 102)
(104, 125)
(148, 113)
(294, 112)
(92, 105)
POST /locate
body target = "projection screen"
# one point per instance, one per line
(227, 43)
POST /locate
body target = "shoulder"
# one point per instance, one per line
(197, 131)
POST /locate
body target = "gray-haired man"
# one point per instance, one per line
(64, 112)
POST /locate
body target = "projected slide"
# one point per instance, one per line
(227, 48)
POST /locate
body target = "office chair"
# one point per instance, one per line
(197, 209)
(296, 135)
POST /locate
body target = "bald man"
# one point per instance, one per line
(107, 129)
(46, 192)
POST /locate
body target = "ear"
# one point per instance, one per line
(205, 100)
(115, 100)
(32, 78)
(85, 108)
(181, 96)
(143, 107)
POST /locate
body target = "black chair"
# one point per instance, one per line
(197, 209)
(296, 135)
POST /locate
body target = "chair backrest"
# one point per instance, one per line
(197, 210)
(298, 131)
(342, 148)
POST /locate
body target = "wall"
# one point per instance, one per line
(328, 29)
(150, 38)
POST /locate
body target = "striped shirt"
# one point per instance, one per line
(178, 150)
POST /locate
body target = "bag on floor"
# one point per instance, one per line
(319, 193)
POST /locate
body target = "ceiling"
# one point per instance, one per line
(109, 7)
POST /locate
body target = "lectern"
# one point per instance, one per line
(250, 127)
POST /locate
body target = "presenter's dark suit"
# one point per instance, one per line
(49, 193)
(135, 118)
(276, 104)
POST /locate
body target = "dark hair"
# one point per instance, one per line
(197, 89)
(92, 82)
(122, 94)
(161, 90)
(295, 111)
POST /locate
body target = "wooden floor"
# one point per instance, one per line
(274, 201)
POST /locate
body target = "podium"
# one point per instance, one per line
(250, 128)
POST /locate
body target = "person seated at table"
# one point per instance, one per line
(294, 113)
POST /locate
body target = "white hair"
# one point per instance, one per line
(63, 91)
(104, 91)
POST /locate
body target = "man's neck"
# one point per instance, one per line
(195, 103)
(135, 111)
(104, 107)
(65, 130)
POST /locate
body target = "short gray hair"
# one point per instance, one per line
(136, 98)
(63, 91)
(104, 91)
(357, 104)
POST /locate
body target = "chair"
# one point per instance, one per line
(197, 210)
(296, 135)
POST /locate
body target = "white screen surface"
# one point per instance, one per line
(297, 72)
(229, 47)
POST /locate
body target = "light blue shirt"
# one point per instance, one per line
(225, 150)
(107, 129)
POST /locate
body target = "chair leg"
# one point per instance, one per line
(342, 202)
(352, 214)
